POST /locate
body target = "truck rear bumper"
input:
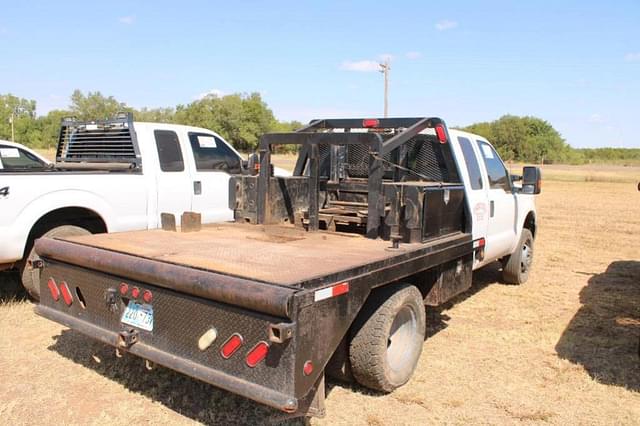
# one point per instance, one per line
(215, 377)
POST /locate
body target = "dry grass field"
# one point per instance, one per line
(561, 349)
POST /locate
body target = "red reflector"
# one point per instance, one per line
(147, 296)
(53, 288)
(124, 288)
(231, 346)
(339, 289)
(307, 369)
(370, 122)
(257, 354)
(442, 135)
(481, 242)
(135, 292)
(66, 294)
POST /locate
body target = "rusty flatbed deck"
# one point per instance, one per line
(252, 266)
(281, 255)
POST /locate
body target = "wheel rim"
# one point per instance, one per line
(401, 338)
(527, 256)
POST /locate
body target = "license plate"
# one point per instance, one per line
(140, 316)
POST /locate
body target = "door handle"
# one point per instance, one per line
(492, 208)
(197, 187)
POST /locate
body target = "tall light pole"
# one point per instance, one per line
(384, 69)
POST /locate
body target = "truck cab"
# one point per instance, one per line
(500, 208)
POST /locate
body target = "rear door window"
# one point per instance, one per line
(470, 159)
(212, 154)
(496, 171)
(169, 152)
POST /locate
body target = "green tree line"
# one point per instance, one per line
(241, 118)
(533, 140)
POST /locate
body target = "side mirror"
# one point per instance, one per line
(253, 164)
(531, 180)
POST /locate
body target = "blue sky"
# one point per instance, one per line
(573, 63)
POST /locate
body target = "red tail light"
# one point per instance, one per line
(66, 294)
(135, 292)
(147, 296)
(370, 122)
(124, 288)
(257, 354)
(442, 135)
(307, 368)
(53, 288)
(230, 347)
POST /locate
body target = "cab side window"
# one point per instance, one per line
(169, 151)
(470, 159)
(498, 176)
(212, 154)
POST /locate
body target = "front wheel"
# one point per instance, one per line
(516, 267)
(388, 338)
(30, 275)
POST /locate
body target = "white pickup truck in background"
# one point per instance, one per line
(111, 176)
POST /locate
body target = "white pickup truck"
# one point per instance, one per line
(324, 271)
(111, 176)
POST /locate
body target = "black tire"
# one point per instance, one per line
(30, 276)
(515, 269)
(387, 337)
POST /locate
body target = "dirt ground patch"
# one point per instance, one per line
(561, 349)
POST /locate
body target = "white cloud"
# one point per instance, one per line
(446, 24)
(632, 57)
(596, 118)
(127, 20)
(217, 93)
(413, 55)
(360, 66)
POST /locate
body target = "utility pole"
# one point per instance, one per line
(384, 69)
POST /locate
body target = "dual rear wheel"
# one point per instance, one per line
(387, 337)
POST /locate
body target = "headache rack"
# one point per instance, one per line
(107, 143)
(374, 175)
